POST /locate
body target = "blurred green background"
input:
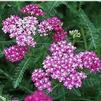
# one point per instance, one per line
(15, 79)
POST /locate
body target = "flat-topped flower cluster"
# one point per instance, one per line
(21, 29)
(15, 53)
(67, 66)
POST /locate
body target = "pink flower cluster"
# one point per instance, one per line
(64, 62)
(9, 24)
(15, 53)
(90, 61)
(21, 29)
(61, 65)
(38, 96)
(59, 34)
(52, 24)
(48, 25)
(33, 9)
(41, 80)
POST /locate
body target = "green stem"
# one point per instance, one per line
(7, 42)
(84, 38)
(73, 41)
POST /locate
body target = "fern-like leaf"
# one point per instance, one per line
(20, 72)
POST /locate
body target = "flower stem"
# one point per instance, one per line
(84, 38)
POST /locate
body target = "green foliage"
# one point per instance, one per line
(20, 72)
(15, 79)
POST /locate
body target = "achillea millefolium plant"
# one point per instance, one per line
(44, 60)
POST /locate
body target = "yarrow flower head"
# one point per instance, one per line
(33, 9)
(61, 65)
(15, 53)
(41, 80)
(48, 25)
(59, 34)
(21, 29)
(90, 61)
(38, 96)
(52, 24)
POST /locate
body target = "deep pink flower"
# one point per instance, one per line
(90, 61)
(38, 96)
(33, 9)
(52, 24)
(59, 36)
(54, 21)
(15, 53)
(48, 25)
(41, 80)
